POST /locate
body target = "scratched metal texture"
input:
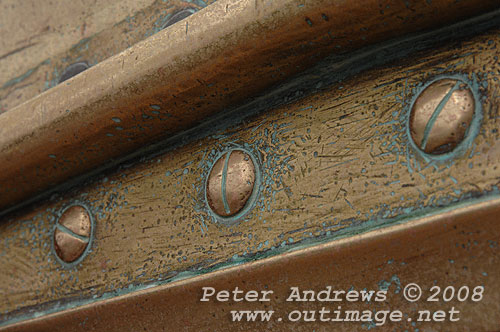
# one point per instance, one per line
(456, 247)
(334, 163)
(212, 62)
(39, 39)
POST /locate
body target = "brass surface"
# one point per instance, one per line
(35, 50)
(334, 164)
(75, 220)
(173, 80)
(455, 248)
(178, 16)
(67, 247)
(237, 175)
(441, 116)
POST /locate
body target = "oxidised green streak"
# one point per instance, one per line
(223, 183)
(436, 113)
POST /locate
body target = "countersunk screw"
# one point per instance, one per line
(441, 116)
(72, 233)
(230, 183)
(179, 16)
(73, 70)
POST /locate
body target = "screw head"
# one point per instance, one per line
(179, 16)
(441, 116)
(72, 233)
(73, 70)
(230, 183)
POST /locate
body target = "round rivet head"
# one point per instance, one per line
(72, 233)
(231, 183)
(441, 116)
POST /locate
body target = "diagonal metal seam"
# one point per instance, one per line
(78, 113)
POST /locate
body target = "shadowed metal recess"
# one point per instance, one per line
(173, 80)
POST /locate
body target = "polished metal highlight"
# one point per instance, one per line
(441, 116)
(72, 233)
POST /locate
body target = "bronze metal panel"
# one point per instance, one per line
(178, 77)
(457, 248)
(336, 163)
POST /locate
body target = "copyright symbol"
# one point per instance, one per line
(412, 292)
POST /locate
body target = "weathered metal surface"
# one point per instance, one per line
(40, 39)
(457, 248)
(334, 164)
(175, 79)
